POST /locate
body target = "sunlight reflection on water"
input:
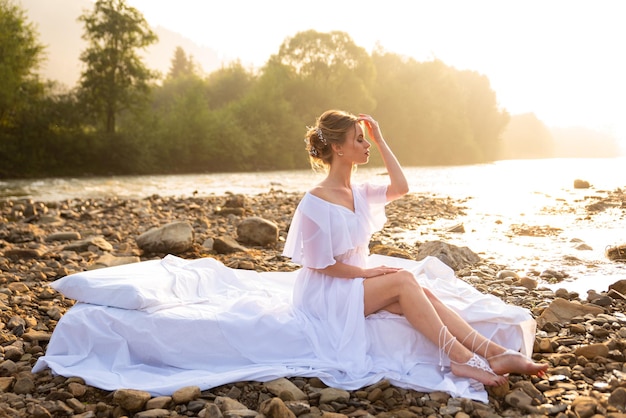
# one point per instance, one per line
(500, 196)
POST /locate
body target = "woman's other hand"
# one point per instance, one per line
(379, 271)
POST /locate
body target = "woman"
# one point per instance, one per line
(336, 290)
(160, 325)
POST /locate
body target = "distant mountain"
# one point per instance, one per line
(528, 137)
(580, 142)
(60, 31)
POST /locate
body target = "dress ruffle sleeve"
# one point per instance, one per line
(375, 199)
(320, 231)
(310, 240)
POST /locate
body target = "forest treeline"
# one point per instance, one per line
(124, 118)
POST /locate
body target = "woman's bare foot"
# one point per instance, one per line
(511, 361)
(478, 369)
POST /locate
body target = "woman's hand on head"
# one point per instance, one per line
(372, 127)
(379, 271)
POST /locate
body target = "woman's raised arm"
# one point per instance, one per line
(398, 186)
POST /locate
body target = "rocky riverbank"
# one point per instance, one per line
(582, 337)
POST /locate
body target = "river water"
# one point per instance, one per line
(500, 195)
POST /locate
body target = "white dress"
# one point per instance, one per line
(163, 324)
(320, 234)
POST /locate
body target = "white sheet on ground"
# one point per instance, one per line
(197, 322)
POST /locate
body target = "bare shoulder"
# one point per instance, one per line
(333, 195)
(322, 192)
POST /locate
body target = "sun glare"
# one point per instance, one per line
(560, 59)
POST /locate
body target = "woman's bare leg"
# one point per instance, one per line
(400, 293)
(500, 362)
(428, 314)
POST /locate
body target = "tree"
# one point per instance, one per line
(182, 65)
(20, 56)
(421, 107)
(487, 120)
(115, 78)
(400, 105)
(325, 70)
(269, 122)
(228, 84)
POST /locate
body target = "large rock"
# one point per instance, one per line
(619, 286)
(227, 245)
(581, 184)
(276, 408)
(235, 205)
(63, 236)
(130, 399)
(257, 231)
(562, 311)
(109, 260)
(186, 394)
(616, 253)
(83, 245)
(281, 385)
(24, 253)
(592, 351)
(455, 257)
(173, 238)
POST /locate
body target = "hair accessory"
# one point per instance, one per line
(318, 131)
(313, 151)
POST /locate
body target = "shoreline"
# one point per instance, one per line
(586, 351)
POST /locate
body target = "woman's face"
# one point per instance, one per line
(356, 148)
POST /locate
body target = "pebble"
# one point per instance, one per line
(583, 340)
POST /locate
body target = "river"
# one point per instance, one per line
(501, 194)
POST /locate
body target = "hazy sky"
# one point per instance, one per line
(564, 60)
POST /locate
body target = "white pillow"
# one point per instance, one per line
(152, 285)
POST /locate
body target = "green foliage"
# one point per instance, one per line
(272, 136)
(239, 119)
(323, 71)
(228, 84)
(487, 121)
(47, 138)
(434, 113)
(20, 56)
(182, 66)
(193, 128)
(115, 78)
(184, 123)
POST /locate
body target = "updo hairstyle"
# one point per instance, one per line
(331, 128)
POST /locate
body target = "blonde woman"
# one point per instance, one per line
(336, 290)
